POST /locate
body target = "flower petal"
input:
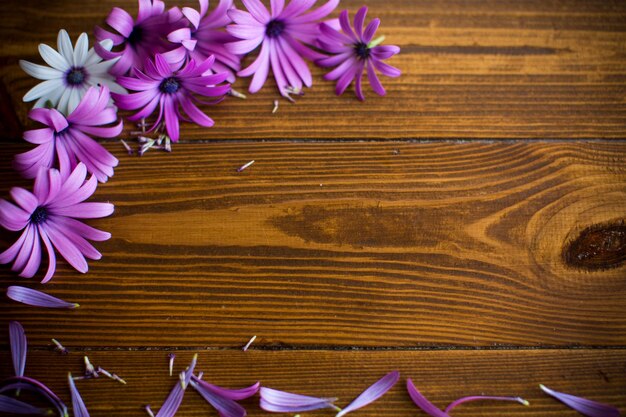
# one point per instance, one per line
(276, 401)
(36, 298)
(78, 405)
(13, 406)
(39, 71)
(53, 58)
(18, 347)
(374, 392)
(582, 405)
(257, 10)
(422, 402)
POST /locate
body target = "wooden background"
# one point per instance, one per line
(467, 230)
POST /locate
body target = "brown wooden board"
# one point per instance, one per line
(357, 244)
(442, 376)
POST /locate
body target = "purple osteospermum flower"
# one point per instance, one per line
(276, 401)
(203, 38)
(138, 39)
(169, 89)
(66, 140)
(282, 35)
(355, 53)
(49, 215)
(582, 405)
(432, 410)
(224, 399)
(36, 298)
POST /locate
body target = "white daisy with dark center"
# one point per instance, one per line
(71, 71)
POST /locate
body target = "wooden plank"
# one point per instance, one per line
(358, 244)
(472, 69)
(442, 376)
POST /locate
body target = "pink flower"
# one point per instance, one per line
(66, 140)
(135, 40)
(356, 53)
(49, 215)
(160, 86)
(282, 35)
(203, 37)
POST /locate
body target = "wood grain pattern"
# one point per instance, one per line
(442, 376)
(472, 69)
(358, 244)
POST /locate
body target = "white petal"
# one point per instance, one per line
(113, 86)
(65, 47)
(93, 57)
(80, 51)
(39, 71)
(43, 90)
(53, 58)
(101, 69)
(75, 96)
(65, 97)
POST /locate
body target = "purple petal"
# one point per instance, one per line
(386, 69)
(277, 7)
(39, 136)
(422, 402)
(317, 14)
(344, 21)
(171, 118)
(257, 10)
(86, 210)
(225, 406)
(12, 217)
(18, 347)
(67, 249)
(25, 199)
(374, 392)
(36, 298)
(276, 401)
(121, 21)
(233, 394)
(582, 405)
(359, 19)
(11, 405)
(370, 30)
(175, 398)
(384, 51)
(78, 405)
(27, 248)
(52, 260)
(483, 398)
(373, 79)
(195, 113)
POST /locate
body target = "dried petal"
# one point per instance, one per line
(11, 405)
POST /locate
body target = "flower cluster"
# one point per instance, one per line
(163, 65)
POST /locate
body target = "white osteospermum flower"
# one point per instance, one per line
(71, 72)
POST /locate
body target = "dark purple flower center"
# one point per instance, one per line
(274, 28)
(75, 76)
(169, 85)
(39, 215)
(136, 35)
(362, 50)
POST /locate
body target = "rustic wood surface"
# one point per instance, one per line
(475, 241)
